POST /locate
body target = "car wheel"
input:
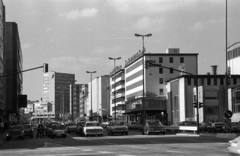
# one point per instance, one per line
(163, 133)
(126, 133)
(111, 133)
(143, 132)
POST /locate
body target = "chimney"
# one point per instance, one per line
(214, 69)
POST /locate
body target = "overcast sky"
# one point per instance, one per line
(74, 36)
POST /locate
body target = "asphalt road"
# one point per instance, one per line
(133, 144)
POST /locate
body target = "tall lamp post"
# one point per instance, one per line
(91, 72)
(72, 81)
(115, 106)
(143, 98)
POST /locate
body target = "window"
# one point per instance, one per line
(189, 81)
(221, 81)
(215, 81)
(160, 70)
(160, 80)
(234, 81)
(171, 70)
(160, 91)
(202, 82)
(171, 59)
(160, 60)
(181, 59)
(209, 81)
(211, 110)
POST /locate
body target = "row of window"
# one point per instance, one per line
(234, 53)
(209, 81)
(171, 60)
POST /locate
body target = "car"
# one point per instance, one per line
(234, 148)
(92, 128)
(235, 127)
(79, 129)
(15, 131)
(71, 127)
(153, 126)
(203, 127)
(48, 128)
(134, 125)
(216, 127)
(28, 130)
(57, 130)
(117, 127)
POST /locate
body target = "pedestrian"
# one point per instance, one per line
(1, 127)
(40, 130)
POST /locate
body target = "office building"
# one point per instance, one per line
(83, 98)
(13, 61)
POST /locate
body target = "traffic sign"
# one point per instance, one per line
(228, 114)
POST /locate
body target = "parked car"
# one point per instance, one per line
(234, 147)
(48, 128)
(15, 131)
(187, 123)
(79, 129)
(235, 127)
(92, 128)
(203, 127)
(28, 130)
(117, 127)
(71, 127)
(152, 126)
(134, 125)
(216, 127)
(57, 130)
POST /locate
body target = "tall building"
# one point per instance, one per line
(13, 61)
(98, 98)
(83, 100)
(145, 89)
(76, 100)
(56, 91)
(117, 99)
(234, 60)
(2, 65)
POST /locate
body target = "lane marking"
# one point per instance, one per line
(137, 147)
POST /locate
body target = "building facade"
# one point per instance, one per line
(76, 99)
(2, 64)
(117, 99)
(13, 61)
(56, 91)
(98, 98)
(145, 89)
(83, 100)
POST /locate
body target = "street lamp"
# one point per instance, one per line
(114, 59)
(143, 103)
(72, 81)
(91, 72)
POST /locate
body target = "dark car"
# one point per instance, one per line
(48, 128)
(57, 130)
(15, 131)
(28, 130)
(153, 126)
(71, 127)
(117, 127)
(216, 127)
(79, 129)
(134, 125)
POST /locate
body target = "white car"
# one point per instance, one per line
(234, 147)
(92, 128)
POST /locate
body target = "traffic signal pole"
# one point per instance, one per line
(45, 70)
(150, 63)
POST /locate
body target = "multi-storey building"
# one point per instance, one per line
(76, 99)
(211, 92)
(83, 98)
(145, 89)
(56, 91)
(98, 98)
(2, 65)
(117, 99)
(234, 89)
(13, 61)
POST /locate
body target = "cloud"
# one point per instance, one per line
(26, 46)
(72, 62)
(200, 25)
(47, 30)
(76, 14)
(149, 23)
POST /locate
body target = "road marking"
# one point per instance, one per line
(137, 147)
(104, 152)
(197, 146)
(175, 151)
(86, 150)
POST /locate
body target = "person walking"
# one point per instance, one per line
(40, 129)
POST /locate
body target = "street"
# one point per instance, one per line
(133, 144)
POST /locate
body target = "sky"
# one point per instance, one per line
(75, 36)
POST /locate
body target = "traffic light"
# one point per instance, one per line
(229, 72)
(200, 104)
(45, 67)
(195, 105)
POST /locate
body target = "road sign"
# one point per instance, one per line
(228, 114)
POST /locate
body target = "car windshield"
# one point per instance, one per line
(92, 124)
(58, 126)
(16, 127)
(153, 123)
(27, 126)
